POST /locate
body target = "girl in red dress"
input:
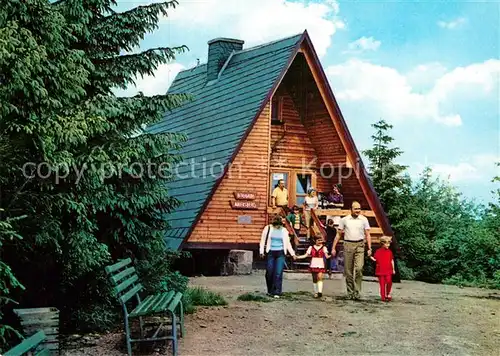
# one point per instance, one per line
(317, 252)
(384, 268)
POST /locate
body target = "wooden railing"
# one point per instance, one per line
(318, 223)
(375, 232)
(342, 212)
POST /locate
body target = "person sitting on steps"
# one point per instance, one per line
(335, 198)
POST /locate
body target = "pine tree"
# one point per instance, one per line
(386, 175)
(105, 196)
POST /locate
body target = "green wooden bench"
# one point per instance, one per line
(126, 285)
(31, 344)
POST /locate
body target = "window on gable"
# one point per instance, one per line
(277, 110)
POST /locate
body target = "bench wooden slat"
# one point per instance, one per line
(27, 345)
(123, 274)
(125, 284)
(125, 298)
(161, 305)
(44, 352)
(117, 266)
(175, 302)
(142, 308)
(152, 304)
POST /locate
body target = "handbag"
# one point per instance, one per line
(267, 237)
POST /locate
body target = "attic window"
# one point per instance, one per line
(277, 110)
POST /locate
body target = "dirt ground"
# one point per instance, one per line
(422, 319)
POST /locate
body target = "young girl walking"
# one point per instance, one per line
(384, 268)
(317, 252)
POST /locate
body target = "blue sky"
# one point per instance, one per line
(429, 68)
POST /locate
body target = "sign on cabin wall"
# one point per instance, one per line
(244, 195)
(278, 176)
(244, 201)
(244, 205)
(244, 219)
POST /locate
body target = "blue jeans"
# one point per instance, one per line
(274, 271)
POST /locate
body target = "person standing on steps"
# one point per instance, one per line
(275, 242)
(331, 232)
(279, 197)
(295, 219)
(310, 202)
(355, 230)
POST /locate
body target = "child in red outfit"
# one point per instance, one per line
(317, 252)
(384, 268)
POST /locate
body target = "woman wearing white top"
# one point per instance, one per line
(310, 202)
(275, 241)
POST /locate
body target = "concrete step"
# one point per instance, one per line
(298, 274)
(301, 263)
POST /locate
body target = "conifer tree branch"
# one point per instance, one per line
(121, 70)
(125, 30)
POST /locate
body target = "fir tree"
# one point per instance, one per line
(386, 175)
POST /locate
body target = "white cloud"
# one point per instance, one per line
(479, 167)
(392, 95)
(363, 44)
(453, 24)
(154, 84)
(423, 76)
(260, 21)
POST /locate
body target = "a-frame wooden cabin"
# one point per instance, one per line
(258, 114)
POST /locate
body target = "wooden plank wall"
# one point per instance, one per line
(294, 148)
(219, 222)
(330, 151)
(315, 141)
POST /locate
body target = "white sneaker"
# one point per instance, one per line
(276, 297)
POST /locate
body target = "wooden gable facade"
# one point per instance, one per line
(298, 133)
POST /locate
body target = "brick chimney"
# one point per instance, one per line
(219, 50)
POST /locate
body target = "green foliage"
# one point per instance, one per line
(442, 236)
(199, 296)
(8, 281)
(386, 175)
(405, 271)
(162, 260)
(74, 159)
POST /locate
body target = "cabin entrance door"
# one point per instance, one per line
(297, 182)
(303, 182)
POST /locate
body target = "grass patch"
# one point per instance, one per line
(296, 295)
(198, 296)
(252, 297)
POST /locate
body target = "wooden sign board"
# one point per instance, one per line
(243, 205)
(244, 219)
(244, 195)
